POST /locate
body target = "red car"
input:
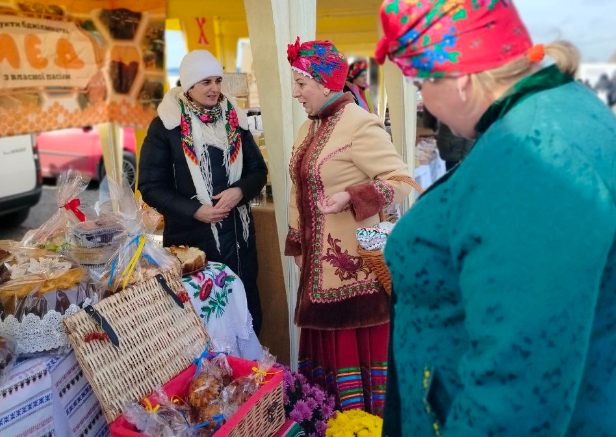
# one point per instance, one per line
(80, 149)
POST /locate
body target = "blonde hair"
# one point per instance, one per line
(485, 83)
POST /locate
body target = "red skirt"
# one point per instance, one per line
(351, 364)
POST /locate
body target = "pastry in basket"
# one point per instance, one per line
(192, 259)
(239, 391)
(41, 284)
(26, 295)
(204, 389)
(212, 415)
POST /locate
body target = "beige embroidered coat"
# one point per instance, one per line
(348, 149)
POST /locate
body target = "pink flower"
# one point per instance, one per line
(312, 404)
(185, 127)
(296, 416)
(233, 122)
(303, 409)
(205, 118)
(206, 289)
(321, 427)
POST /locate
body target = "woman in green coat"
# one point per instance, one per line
(504, 271)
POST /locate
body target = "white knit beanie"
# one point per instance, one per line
(196, 66)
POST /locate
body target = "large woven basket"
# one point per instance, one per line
(376, 263)
(154, 336)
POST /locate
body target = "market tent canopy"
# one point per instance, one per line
(351, 26)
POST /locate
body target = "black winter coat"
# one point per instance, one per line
(166, 184)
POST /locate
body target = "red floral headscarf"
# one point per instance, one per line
(438, 38)
(321, 61)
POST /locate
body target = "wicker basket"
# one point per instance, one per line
(376, 263)
(154, 336)
(261, 415)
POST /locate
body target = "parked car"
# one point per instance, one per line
(80, 149)
(20, 179)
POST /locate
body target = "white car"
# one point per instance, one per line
(20, 179)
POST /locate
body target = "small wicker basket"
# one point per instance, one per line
(376, 263)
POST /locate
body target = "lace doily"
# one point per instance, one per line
(34, 334)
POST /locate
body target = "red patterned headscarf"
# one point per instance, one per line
(356, 69)
(448, 38)
(321, 61)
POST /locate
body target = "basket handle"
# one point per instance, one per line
(103, 323)
(169, 291)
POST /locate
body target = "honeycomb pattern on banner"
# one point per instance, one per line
(80, 64)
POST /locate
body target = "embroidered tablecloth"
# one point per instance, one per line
(49, 396)
(219, 298)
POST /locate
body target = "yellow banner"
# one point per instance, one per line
(78, 63)
(35, 53)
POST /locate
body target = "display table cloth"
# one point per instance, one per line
(219, 298)
(49, 396)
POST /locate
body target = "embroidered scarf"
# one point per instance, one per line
(199, 127)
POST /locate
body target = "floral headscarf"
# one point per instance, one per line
(321, 61)
(356, 69)
(438, 38)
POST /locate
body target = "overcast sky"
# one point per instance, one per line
(589, 24)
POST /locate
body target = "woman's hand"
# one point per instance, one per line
(335, 203)
(298, 261)
(210, 214)
(228, 199)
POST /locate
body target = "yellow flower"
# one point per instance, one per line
(354, 423)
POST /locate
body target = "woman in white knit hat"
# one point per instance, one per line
(200, 166)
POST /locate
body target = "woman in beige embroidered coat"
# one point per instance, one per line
(344, 170)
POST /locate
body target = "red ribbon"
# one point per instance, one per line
(73, 205)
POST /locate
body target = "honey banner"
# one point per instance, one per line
(79, 63)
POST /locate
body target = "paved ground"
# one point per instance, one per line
(43, 211)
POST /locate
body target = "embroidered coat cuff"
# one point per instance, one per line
(369, 199)
(292, 246)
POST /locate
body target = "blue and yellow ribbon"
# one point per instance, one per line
(206, 354)
(139, 242)
(260, 375)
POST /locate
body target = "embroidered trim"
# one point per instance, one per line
(297, 154)
(409, 181)
(368, 286)
(330, 156)
(314, 191)
(385, 190)
(293, 234)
